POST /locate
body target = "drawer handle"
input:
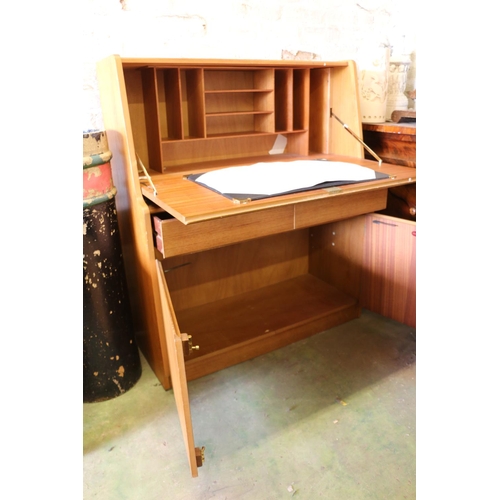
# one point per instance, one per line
(176, 267)
(384, 223)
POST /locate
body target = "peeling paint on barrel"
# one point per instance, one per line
(108, 331)
(109, 347)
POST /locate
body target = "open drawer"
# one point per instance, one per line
(172, 237)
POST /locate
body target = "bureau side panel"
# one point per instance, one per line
(133, 219)
(344, 102)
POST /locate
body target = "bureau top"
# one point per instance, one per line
(233, 63)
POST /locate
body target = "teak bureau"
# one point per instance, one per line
(235, 279)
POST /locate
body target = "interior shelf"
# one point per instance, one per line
(235, 91)
(174, 110)
(237, 113)
(261, 320)
(239, 134)
(221, 136)
(295, 131)
(234, 135)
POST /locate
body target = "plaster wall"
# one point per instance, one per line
(326, 30)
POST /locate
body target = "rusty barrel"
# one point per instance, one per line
(111, 362)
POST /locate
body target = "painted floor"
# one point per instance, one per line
(332, 417)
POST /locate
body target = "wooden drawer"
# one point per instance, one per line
(336, 208)
(175, 238)
(172, 237)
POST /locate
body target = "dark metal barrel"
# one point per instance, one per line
(111, 363)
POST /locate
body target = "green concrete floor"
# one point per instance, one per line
(332, 416)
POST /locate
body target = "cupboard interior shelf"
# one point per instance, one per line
(232, 327)
(237, 308)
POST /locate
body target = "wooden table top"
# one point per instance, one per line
(392, 128)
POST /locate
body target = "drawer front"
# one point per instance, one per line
(339, 207)
(175, 238)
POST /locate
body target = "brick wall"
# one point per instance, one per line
(249, 29)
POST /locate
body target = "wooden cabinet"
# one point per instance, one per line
(393, 142)
(396, 143)
(235, 279)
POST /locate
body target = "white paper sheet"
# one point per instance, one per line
(279, 145)
(280, 177)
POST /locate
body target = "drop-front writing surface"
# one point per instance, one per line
(189, 202)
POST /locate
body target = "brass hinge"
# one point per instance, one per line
(200, 456)
(187, 344)
(333, 190)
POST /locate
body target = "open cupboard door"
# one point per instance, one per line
(175, 346)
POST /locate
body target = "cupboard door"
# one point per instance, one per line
(389, 277)
(175, 347)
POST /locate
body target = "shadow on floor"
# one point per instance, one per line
(331, 416)
(257, 398)
(262, 395)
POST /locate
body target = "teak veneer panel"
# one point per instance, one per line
(389, 280)
(283, 99)
(338, 207)
(174, 238)
(134, 220)
(247, 325)
(180, 155)
(178, 371)
(190, 202)
(220, 273)
(336, 254)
